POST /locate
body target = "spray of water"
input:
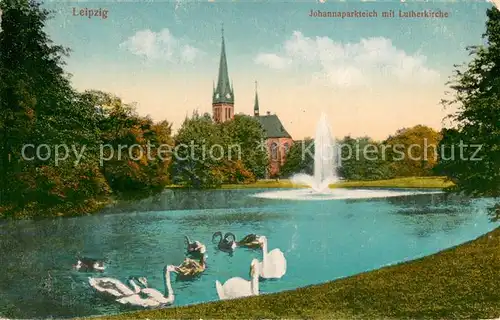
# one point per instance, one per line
(325, 159)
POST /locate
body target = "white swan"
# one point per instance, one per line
(154, 297)
(238, 287)
(273, 265)
(114, 287)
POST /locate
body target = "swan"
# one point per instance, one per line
(154, 297)
(238, 287)
(89, 264)
(114, 287)
(250, 241)
(224, 243)
(195, 247)
(273, 265)
(191, 268)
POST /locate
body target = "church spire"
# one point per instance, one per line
(256, 104)
(223, 92)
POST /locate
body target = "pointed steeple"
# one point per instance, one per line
(223, 92)
(256, 104)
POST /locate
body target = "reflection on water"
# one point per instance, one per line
(322, 240)
(444, 213)
(181, 199)
(243, 217)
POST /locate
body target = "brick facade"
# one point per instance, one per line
(277, 151)
(222, 112)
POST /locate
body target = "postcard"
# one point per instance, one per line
(249, 159)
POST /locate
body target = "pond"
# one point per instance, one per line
(322, 240)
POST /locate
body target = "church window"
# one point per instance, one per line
(274, 151)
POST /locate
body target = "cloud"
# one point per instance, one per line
(162, 45)
(366, 62)
(272, 60)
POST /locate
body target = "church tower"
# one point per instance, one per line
(223, 95)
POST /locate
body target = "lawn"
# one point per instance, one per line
(461, 282)
(411, 182)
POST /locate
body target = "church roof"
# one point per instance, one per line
(273, 128)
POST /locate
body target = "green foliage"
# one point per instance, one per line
(410, 152)
(299, 159)
(413, 152)
(475, 93)
(39, 106)
(245, 131)
(130, 145)
(362, 160)
(208, 154)
(195, 158)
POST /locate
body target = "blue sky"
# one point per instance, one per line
(164, 56)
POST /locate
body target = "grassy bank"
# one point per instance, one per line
(460, 282)
(68, 209)
(411, 182)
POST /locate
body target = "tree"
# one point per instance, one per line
(246, 133)
(413, 151)
(299, 159)
(37, 103)
(362, 160)
(131, 143)
(196, 160)
(38, 106)
(475, 92)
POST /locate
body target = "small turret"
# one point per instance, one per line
(256, 104)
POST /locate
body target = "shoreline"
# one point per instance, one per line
(409, 182)
(94, 206)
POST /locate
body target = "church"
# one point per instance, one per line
(278, 140)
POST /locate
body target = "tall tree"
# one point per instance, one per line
(246, 135)
(37, 106)
(197, 156)
(475, 92)
(130, 159)
(476, 95)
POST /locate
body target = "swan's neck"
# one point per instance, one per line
(264, 251)
(254, 283)
(134, 286)
(169, 293)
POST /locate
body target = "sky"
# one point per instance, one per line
(371, 76)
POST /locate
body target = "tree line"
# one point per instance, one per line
(409, 152)
(38, 105)
(468, 152)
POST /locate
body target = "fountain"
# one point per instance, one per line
(326, 161)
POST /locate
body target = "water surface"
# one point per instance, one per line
(322, 240)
